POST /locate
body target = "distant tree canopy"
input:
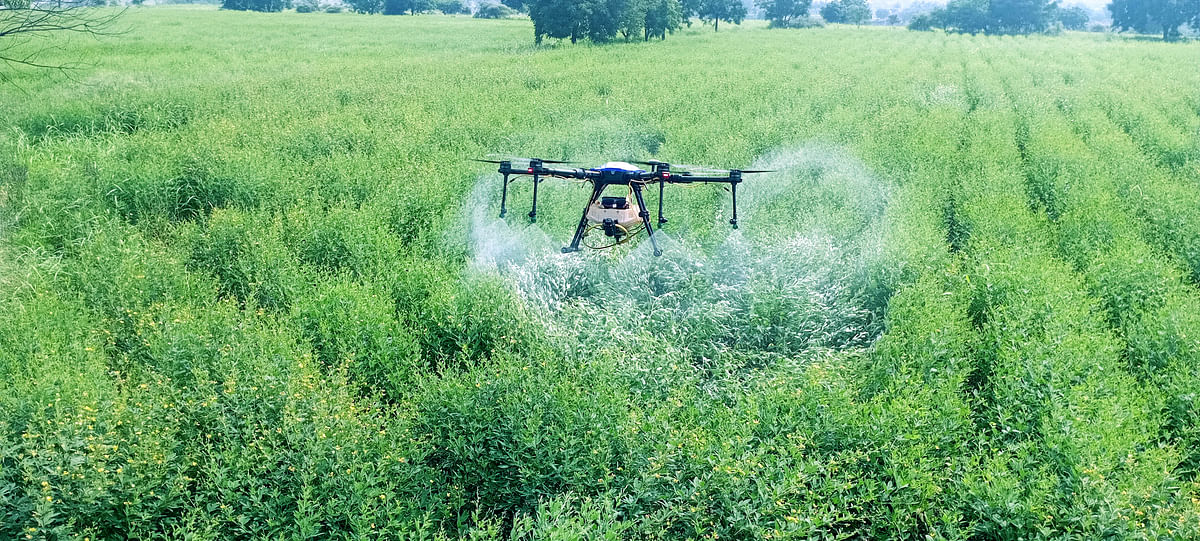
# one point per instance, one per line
(782, 12)
(412, 7)
(715, 11)
(257, 5)
(602, 20)
(990, 17)
(1155, 16)
(846, 11)
(493, 11)
(650, 18)
(1073, 17)
(366, 6)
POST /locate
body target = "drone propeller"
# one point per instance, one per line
(685, 170)
(498, 158)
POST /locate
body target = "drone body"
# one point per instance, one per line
(618, 217)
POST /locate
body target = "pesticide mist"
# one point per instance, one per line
(791, 280)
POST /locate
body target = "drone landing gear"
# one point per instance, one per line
(645, 214)
(533, 212)
(597, 188)
(504, 196)
(733, 190)
(661, 220)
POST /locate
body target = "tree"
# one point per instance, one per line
(1073, 18)
(366, 6)
(1165, 16)
(269, 6)
(963, 16)
(715, 11)
(23, 22)
(633, 20)
(518, 5)
(662, 16)
(413, 7)
(558, 19)
(846, 11)
(493, 11)
(1019, 16)
(782, 12)
(922, 22)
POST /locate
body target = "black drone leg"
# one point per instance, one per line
(504, 197)
(661, 220)
(533, 213)
(733, 190)
(583, 221)
(645, 214)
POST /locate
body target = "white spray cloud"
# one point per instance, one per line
(780, 291)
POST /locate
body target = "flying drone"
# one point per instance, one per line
(616, 216)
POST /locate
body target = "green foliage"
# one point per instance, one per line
(252, 268)
(256, 5)
(452, 7)
(236, 302)
(991, 17)
(715, 11)
(661, 17)
(964, 16)
(846, 11)
(366, 6)
(354, 327)
(493, 11)
(801, 22)
(412, 7)
(784, 13)
(1149, 16)
(923, 22)
(1073, 17)
(598, 20)
(1019, 16)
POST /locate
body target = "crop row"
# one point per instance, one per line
(1148, 299)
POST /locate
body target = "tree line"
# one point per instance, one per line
(1031, 16)
(606, 20)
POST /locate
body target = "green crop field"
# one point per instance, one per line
(252, 286)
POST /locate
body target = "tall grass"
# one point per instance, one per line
(251, 287)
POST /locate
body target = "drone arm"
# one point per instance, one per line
(689, 179)
(732, 179)
(542, 171)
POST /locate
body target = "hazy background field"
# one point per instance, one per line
(251, 286)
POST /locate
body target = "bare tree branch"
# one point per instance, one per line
(24, 21)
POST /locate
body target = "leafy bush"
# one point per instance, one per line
(250, 267)
(475, 320)
(354, 327)
(493, 11)
(798, 22)
(922, 23)
(452, 7)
